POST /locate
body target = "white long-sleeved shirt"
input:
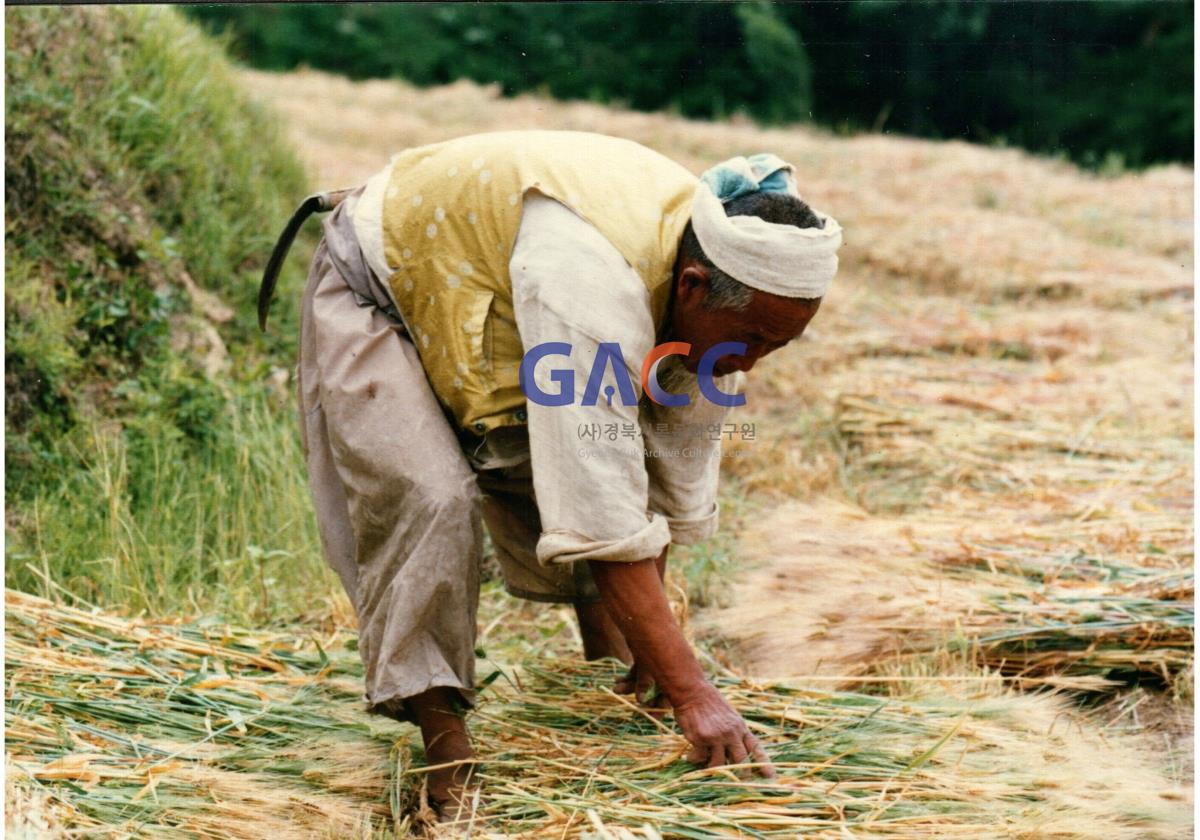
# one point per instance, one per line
(657, 483)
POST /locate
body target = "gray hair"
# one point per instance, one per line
(726, 293)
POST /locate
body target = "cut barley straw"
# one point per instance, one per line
(1055, 604)
(156, 728)
(152, 729)
(1048, 615)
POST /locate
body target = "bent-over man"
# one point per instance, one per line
(433, 282)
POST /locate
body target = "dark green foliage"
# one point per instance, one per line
(1098, 81)
(1102, 82)
(690, 57)
(778, 60)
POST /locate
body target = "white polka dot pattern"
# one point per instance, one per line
(450, 216)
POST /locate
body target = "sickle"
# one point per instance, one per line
(321, 202)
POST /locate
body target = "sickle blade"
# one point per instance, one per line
(315, 203)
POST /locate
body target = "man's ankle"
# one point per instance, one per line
(439, 700)
(447, 747)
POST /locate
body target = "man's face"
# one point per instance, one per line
(768, 323)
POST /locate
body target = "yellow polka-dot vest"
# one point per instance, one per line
(450, 216)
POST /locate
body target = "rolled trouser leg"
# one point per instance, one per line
(409, 498)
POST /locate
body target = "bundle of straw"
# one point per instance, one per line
(1072, 615)
(205, 730)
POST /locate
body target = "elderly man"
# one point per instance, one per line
(425, 414)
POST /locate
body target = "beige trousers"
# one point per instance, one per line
(399, 508)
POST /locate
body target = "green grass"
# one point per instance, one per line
(137, 476)
(149, 521)
(707, 566)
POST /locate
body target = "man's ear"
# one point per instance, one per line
(692, 284)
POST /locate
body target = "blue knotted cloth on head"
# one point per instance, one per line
(741, 176)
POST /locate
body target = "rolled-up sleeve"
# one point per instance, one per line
(593, 493)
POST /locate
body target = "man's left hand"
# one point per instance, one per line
(639, 682)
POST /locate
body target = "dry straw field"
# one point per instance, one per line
(956, 591)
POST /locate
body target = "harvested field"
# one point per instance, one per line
(967, 514)
(869, 595)
(155, 729)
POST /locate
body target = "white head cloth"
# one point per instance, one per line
(779, 259)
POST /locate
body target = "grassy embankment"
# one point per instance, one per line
(152, 458)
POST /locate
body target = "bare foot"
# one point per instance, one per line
(461, 807)
(447, 750)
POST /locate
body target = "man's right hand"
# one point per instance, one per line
(634, 598)
(717, 733)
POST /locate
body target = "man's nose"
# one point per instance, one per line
(755, 352)
(744, 362)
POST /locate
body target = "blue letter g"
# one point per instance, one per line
(565, 378)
